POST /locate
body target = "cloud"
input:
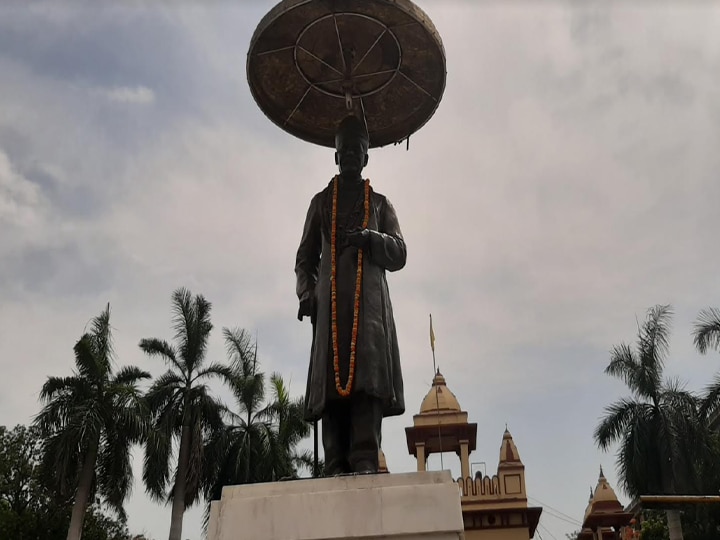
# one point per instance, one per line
(20, 200)
(138, 95)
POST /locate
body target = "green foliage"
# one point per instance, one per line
(183, 409)
(96, 408)
(259, 443)
(654, 526)
(707, 330)
(660, 428)
(29, 508)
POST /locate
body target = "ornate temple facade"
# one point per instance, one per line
(493, 507)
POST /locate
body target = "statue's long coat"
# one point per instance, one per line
(377, 370)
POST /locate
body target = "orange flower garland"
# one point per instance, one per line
(344, 392)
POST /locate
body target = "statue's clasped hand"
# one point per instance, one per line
(307, 309)
(359, 238)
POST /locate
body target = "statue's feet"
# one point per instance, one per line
(365, 467)
(336, 469)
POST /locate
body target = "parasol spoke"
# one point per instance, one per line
(342, 53)
(298, 104)
(364, 116)
(364, 56)
(428, 94)
(363, 76)
(281, 49)
(323, 62)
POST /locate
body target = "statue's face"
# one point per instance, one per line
(352, 148)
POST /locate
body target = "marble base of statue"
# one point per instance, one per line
(407, 506)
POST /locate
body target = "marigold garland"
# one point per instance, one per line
(344, 392)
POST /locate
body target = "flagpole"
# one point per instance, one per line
(437, 397)
(432, 345)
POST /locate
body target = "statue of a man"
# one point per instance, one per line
(351, 237)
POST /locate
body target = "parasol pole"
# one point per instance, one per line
(316, 471)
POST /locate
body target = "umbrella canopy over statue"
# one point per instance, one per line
(313, 62)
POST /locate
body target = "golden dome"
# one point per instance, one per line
(604, 510)
(603, 491)
(439, 399)
(588, 508)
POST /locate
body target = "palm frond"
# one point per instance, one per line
(57, 385)
(710, 404)
(115, 475)
(129, 375)
(222, 371)
(159, 347)
(706, 330)
(156, 465)
(63, 398)
(240, 350)
(87, 360)
(60, 461)
(653, 344)
(192, 325)
(623, 365)
(618, 416)
(102, 336)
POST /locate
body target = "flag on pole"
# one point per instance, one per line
(432, 335)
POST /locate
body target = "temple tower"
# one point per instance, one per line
(492, 507)
(605, 518)
(441, 426)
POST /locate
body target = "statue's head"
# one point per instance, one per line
(351, 145)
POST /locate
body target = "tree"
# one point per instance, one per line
(659, 428)
(259, 442)
(89, 422)
(20, 495)
(653, 526)
(707, 330)
(290, 428)
(183, 408)
(29, 508)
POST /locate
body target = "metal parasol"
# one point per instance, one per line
(313, 62)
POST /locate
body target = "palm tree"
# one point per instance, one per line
(290, 429)
(707, 336)
(89, 422)
(658, 427)
(259, 442)
(183, 408)
(707, 330)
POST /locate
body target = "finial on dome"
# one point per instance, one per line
(602, 475)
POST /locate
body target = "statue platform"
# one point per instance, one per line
(407, 506)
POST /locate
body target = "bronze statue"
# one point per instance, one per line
(351, 237)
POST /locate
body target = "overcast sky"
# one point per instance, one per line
(567, 182)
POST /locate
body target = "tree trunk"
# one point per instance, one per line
(674, 524)
(83, 492)
(178, 504)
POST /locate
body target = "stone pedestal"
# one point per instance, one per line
(412, 506)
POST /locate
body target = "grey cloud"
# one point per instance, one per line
(57, 270)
